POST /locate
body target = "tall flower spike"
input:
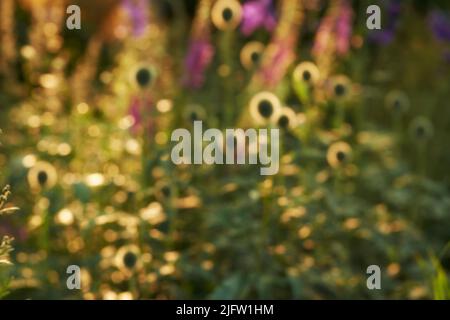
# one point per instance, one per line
(200, 51)
(138, 12)
(139, 109)
(344, 28)
(258, 14)
(333, 36)
(280, 53)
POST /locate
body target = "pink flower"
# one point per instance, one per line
(258, 14)
(200, 54)
(344, 28)
(336, 25)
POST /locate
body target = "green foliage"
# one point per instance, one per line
(364, 176)
(5, 245)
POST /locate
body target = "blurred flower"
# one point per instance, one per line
(383, 37)
(138, 11)
(127, 258)
(287, 118)
(42, 176)
(199, 56)
(421, 129)
(163, 190)
(135, 113)
(281, 51)
(226, 14)
(337, 25)
(138, 109)
(339, 153)
(344, 28)
(258, 14)
(281, 55)
(306, 72)
(251, 54)
(143, 76)
(440, 25)
(340, 87)
(194, 112)
(397, 101)
(264, 107)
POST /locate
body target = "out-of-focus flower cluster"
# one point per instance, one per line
(87, 117)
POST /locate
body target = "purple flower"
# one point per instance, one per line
(281, 57)
(258, 14)
(382, 37)
(199, 56)
(387, 34)
(440, 25)
(394, 11)
(140, 109)
(138, 13)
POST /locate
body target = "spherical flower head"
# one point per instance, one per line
(226, 14)
(421, 129)
(127, 259)
(258, 14)
(397, 101)
(306, 72)
(194, 112)
(287, 119)
(265, 107)
(143, 76)
(340, 88)
(338, 154)
(251, 54)
(42, 176)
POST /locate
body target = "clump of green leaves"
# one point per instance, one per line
(5, 244)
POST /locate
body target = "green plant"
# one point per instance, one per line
(5, 243)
